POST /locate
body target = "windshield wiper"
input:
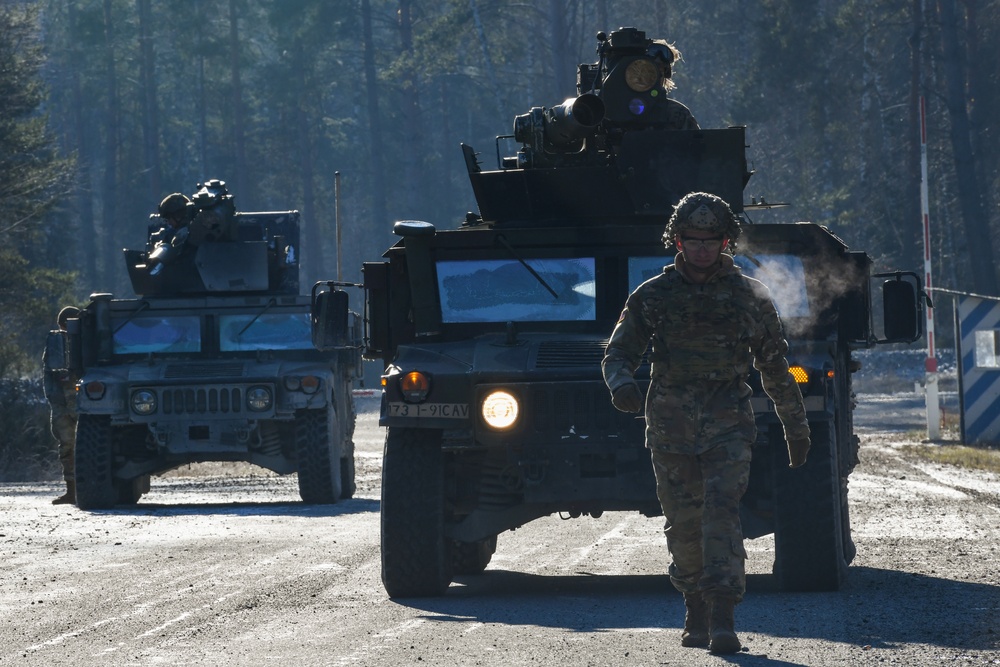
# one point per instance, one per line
(502, 240)
(270, 303)
(142, 306)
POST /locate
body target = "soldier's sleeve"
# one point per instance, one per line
(769, 351)
(627, 344)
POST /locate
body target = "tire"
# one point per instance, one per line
(472, 557)
(808, 531)
(318, 457)
(95, 487)
(416, 559)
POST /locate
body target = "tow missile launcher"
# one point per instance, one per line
(492, 337)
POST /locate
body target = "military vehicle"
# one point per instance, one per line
(213, 360)
(492, 336)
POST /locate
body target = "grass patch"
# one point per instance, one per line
(978, 458)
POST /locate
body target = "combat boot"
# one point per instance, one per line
(695, 621)
(68, 498)
(723, 635)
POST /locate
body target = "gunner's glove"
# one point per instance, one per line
(798, 451)
(627, 398)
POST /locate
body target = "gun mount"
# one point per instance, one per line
(622, 137)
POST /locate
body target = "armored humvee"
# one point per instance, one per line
(213, 360)
(492, 336)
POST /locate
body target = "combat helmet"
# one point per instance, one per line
(174, 205)
(703, 212)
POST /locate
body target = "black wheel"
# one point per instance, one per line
(318, 457)
(808, 531)
(95, 487)
(415, 556)
(472, 557)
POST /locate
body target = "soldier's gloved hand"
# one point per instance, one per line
(627, 398)
(798, 451)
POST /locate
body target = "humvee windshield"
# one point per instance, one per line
(566, 289)
(270, 331)
(164, 334)
(784, 276)
(186, 334)
(501, 290)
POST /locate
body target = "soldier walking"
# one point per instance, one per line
(60, 390)
(707, 323)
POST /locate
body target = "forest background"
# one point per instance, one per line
(106, 106)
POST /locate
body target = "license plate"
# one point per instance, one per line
(438, 410)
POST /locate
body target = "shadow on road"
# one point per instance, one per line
(878, 609)
(352, 506)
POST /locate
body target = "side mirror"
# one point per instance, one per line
(331, 327)
(901, 310)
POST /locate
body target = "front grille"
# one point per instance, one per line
(201, 400)
(570, 353)
(581, 408)
(204, 370)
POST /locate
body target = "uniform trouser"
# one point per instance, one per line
(63, 426)
(700, 496)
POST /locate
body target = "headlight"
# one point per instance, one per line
(258, 399)
(415, 386)
(94, 390)
(144, 402)
(500, 410)
(309, 384)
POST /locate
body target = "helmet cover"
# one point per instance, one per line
(703, 212)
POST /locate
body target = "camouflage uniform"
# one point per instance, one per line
(60, 390)
(699, 421)
(679, 117)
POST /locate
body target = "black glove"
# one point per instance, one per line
(798, 451)
(627, 398)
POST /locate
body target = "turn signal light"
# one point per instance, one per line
(415, 386)
(800, 374)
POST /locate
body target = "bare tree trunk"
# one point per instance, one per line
(150, 107)
(85, 164)
(970, 194)
(311, 243)
(978, 83)
(563, 65)
(110, 191)
(912, 219)
(488, 62)
(411, 155)
(202, 114)
(237, 179)
(377, 177)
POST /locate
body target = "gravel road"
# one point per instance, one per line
(222, 565)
